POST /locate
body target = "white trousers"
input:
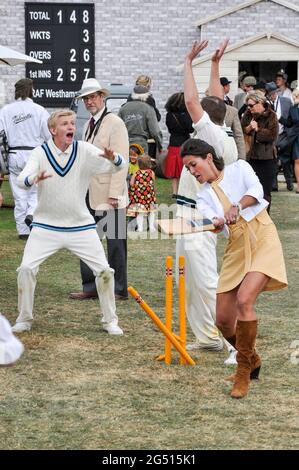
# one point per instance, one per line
(201, 277)
(25, 203)
(86, 245)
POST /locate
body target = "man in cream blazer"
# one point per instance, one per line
(108, 194)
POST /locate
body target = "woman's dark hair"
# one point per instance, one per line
(200, 148)
(176, 103)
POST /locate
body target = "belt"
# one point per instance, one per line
(21, 148)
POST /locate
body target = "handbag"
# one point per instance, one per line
(4, 154)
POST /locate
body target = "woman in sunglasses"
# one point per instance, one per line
(260, 127)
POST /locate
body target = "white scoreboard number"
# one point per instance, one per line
(62, 36)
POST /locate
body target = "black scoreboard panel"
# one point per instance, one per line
(62, 36)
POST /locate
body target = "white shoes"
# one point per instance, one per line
(11, 347)
(231, 360)
(209, 347)
(112, 329)
(192, 346)
(19, 327)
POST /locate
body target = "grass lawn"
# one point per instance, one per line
(75, 387)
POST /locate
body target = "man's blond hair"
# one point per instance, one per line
(52, 121)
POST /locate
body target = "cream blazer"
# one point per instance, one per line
(112, 134)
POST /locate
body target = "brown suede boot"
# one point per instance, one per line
(246, 335)
(255, 367)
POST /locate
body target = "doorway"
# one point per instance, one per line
(266, 71)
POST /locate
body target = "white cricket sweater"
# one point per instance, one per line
(61, 198)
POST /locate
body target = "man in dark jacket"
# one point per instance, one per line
(140, 119)
(281, 106)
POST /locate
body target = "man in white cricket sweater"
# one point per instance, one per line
(62, 169)
(200, 249)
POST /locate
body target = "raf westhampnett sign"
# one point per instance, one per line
(62, 36)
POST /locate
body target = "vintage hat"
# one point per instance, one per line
(271, 86)
(91, 85)
(282, 74)
(224, 81)
(249, 81)
(261, 85)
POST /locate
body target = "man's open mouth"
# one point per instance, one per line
(70, 135)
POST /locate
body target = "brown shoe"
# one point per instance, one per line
(246, 335)
(83, 295)
(121, 297)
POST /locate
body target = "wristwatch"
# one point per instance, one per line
(238, 205)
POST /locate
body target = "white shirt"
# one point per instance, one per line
(239, 180)
(277, 109)
(61, 198)
(96, 117)
(216, 136)
(26, 125)
(224, 145)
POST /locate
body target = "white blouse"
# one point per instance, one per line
(239, 180)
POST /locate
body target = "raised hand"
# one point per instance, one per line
(216, 57)
(196, 48)
(41, 176)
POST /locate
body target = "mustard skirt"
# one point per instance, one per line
(253, 247)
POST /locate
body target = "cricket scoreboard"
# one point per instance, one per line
(62, 37)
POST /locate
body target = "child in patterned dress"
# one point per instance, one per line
(142, 193)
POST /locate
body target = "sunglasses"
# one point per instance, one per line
(251, 105)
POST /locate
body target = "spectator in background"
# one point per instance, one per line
(281, 81)
(226, 88)
(293, 123)
(142, 193)
(282, 107)
(294, 84)
(26, 126)
(179, 125)
(248, 85)
(135, 150)
(232, 121)
(146, 81)
(260, 126)
(140, 119)
(108, 193)
(232, 125)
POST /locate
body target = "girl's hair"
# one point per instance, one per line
(200, 148)
(295, 93)
(144, 162)
(176, 103)
(52, 121)
(257, 96)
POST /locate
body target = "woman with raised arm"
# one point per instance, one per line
(232, 197)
